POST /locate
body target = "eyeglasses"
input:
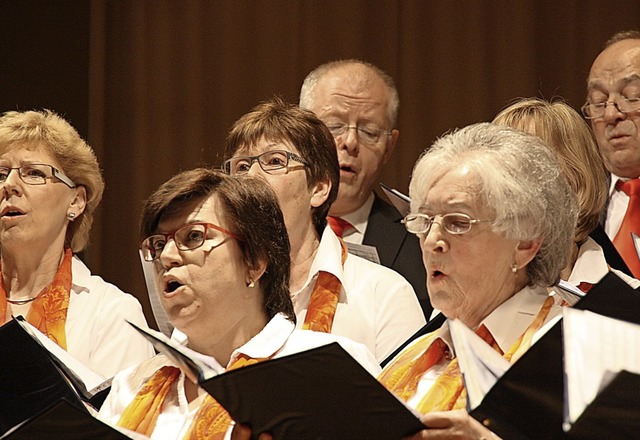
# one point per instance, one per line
(269, 162)
(455, 223)
(370, 135)
(624, 105)
(188, 237)
(36, 174)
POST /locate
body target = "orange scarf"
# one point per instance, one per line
(210, 422)
(324, 299)
(403, 374)
(48, 312)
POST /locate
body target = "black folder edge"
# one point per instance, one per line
(614, 413)
(269, 396)
(527, 402)
(36, 382)
(63, 420)
(95, 397)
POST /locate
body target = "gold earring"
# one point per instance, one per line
(514, 268)
(250, 284)
(71, 216)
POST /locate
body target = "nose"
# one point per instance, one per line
(612, 113)
(11, 185)
(170, 255)
(254, 169)
(348, 141)
(435, 239)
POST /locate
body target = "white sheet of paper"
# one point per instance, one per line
(594, 347)
(481, 366)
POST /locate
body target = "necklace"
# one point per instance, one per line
(20, 302)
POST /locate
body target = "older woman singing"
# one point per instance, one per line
(495, 220)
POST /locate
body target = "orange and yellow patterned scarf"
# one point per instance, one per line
(48, 312)
(210, 422)
(447, 393)
(324, 299)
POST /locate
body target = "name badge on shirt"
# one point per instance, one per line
(364, 251)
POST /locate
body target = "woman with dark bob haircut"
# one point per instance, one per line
(220, 253)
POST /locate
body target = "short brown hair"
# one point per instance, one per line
(251, 206)
(45, 129)
(572, 141)
(276, 120)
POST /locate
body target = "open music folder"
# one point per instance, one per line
(529, 400)
(322, 393)
(37, 373)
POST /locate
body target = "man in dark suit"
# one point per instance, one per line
(613, 107)
(359, 103)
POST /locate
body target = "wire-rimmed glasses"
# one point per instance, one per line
(454, 223)
(624, 105)
(36, 174)
(187, 237)
(368, 134)
(269, 161)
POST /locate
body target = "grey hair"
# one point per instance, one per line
(307, 91)
(518, 178)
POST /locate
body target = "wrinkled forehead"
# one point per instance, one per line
(28, 152)
(618, 62)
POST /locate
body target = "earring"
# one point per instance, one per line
(71, 216)
(514, 268)
(250, 284)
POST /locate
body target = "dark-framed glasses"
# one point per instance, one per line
(368, 134)
(624, 105)
(36, 174)
(454, 223)
(188, 237)
(269, 161)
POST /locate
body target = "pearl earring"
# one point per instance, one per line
(514, 268)
(71, 216)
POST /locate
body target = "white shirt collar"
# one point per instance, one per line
(510, 319)
(590, 265)
(360, 217)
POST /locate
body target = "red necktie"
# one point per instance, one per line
(339, 225)
(630, 224)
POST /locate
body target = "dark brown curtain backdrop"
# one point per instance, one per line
(167, 78)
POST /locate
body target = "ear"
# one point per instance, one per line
(390, 146)
(79, 201)
(320, 192)
(526, 250)
(256, 272)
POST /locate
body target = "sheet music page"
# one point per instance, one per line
(91, 379)
(480, 364)
(400, 201)
(594, 347)
(196, 366)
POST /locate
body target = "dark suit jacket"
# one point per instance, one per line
(397, 248)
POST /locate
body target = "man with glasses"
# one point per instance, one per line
(332, 290)
(613, 107)
(359, 103)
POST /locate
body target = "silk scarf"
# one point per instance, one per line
(324, 299)
(48, 311)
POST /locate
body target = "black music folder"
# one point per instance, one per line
(63, 420)
(322, 393)
(33, 379)
(527, 402)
